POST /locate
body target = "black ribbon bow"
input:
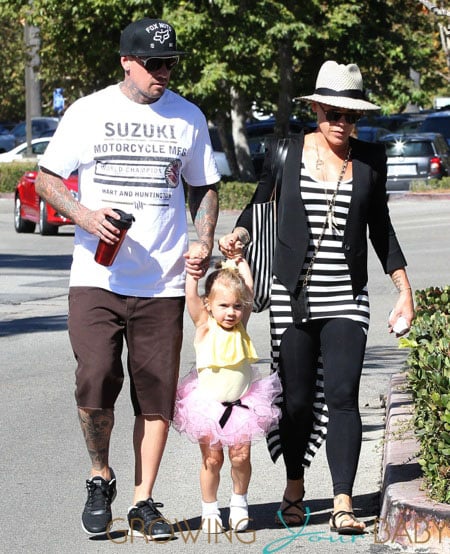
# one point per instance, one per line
(228, 408)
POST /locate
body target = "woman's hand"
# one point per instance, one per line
(404, 308)
(232, 245)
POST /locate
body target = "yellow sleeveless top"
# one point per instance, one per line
(223, 361)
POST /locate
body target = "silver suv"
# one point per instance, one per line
(414, 156)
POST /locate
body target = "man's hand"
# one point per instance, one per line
(197, 259)
(95, 222)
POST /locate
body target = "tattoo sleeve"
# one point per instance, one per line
(204, 208)
(51, 188)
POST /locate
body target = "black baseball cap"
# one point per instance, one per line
(149, 38)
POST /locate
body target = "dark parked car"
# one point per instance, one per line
(258, 133)
(437, 122)
(390, 122)
(371, 134)
(415, 156)
(30, 209)
(7, 140)
(40, 127)
(412, 125)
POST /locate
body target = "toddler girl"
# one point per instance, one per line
(224, 402)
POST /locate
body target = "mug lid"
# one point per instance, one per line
(125, 220)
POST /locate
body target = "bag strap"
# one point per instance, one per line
(278, 164)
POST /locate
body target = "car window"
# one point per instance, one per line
(441, 145)
(39, 148)
(257, 145)
(409, 149)
(215, 140)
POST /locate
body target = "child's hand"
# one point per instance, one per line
(232, 245)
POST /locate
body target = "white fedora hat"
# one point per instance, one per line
(341, 86)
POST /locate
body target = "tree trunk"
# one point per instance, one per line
(221, 123)
(241, 148)
(284, 104)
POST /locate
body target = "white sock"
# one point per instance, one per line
(211, 520)
(238, 500)
(239, 512)
(210, 508)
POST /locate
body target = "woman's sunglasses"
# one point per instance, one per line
(153, 64)
(335, 115)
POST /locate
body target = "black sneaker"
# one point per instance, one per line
(97, 511)
(146, 520)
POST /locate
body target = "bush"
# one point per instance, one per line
(429, 380)
(234, 195)
(426, 185)
(10, 173)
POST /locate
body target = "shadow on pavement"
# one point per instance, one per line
(33, 325)
(29, 261)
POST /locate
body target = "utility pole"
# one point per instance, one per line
(32, 84)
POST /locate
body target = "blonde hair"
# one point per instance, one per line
(230, 278)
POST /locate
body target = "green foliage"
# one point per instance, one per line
(10, 173)
(234, 195)
(429, 380)
(232, 43)
(425, 185)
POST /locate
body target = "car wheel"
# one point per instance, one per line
(21, 225)
(45, 228)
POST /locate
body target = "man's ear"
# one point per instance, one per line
(125, 62)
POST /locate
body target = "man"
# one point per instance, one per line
(131, 143)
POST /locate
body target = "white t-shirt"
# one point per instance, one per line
(131, 156)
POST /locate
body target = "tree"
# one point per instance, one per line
(242, 54)
(12, 56)
(252, 51)
(386, 40)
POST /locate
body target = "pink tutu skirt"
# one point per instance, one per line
(201, 418)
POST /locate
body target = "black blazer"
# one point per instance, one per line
(368, 210)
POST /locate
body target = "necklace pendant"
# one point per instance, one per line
(319, 164)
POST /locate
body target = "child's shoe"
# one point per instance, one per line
(239, 512)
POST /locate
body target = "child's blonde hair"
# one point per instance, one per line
(229, 277)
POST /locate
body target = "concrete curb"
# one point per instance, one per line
(408, 517)
(419, 196)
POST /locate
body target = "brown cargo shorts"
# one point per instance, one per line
(99, 322)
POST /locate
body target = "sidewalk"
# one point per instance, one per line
(408, 517)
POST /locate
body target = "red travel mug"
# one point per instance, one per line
(106, 253)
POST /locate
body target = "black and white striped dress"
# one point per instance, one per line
(329, 291)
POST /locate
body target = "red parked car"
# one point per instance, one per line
(30, 209)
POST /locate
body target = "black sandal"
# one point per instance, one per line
(299, 518)
(345, 529)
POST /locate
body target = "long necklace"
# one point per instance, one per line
(302, 304)
(320, 161)
(330, 218)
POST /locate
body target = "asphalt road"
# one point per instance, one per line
(43, 459)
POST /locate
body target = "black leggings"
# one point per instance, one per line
(342, 343)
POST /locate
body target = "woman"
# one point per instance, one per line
(319, 302)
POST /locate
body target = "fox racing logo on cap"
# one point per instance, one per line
(161, 36)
